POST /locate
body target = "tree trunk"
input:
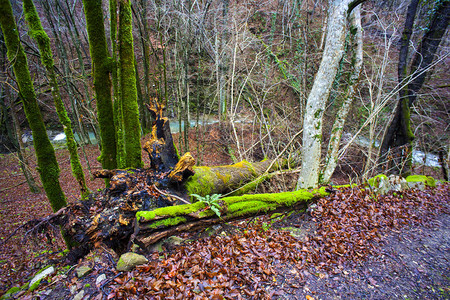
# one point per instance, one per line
(399, 135)
(315, 106)
(356, 46)
(101, 65)
(38, 33)
(234, 179)
(128, 92)
(47, 165)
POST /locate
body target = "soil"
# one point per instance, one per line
(410, 261)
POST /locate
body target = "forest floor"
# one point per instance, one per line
(350, 245)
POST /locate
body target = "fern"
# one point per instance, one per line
(211, 201)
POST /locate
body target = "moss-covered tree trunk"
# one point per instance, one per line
(117, 106)
(128, 90)
(38, 33)
(154, 225)
(47, 165)
(101, 64)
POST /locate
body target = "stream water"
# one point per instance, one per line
(419, 157)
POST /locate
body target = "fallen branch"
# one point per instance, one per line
(166, 221)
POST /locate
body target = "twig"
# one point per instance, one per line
(170, 195)
(11, 187)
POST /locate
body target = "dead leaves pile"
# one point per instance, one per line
(350, 225)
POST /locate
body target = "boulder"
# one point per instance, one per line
(130, 260)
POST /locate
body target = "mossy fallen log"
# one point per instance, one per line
(233, 180)
(154, 225)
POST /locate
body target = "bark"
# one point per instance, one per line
(428, 48)
(47, 165)
(399, 136)
(154, 225)
(101, 65)
(144, 39)
(338, 126)
(315, 106)
(43, 41)
(128, 91)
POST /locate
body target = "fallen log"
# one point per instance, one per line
(232, 180)
(152, 226)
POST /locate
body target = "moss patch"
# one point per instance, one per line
(375, 181)
(427, 180)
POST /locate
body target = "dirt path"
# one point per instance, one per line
(413, 264)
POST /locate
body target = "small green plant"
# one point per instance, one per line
(212, 201)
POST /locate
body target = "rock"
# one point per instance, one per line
(83, 270)
(397, 183)
(156, 247)
(381, 184)
(420, 181)
(174, 240)
(100, 279)
(73, 289)
(417, 185)
(50, 270)
(130, 260)
(79, 296)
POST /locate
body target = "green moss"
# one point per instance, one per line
(128, 89)
(167, 222)
(202, 182)
(35, 285)
(428, 180)
(102, 83)
(15, 289)
(214, 180)
(47, 165)
(174, 211)
(375, 181)
(249, 207)
(235, 206)
(225, 178)
(38, 33)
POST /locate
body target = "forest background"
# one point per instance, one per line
(250, 66)
(240, 73)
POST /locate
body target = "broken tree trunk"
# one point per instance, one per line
(232, 180)
(154, 225)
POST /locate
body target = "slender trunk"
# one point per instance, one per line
(399, 136)
(338, 126)
(85, 102)
(23, 162)
(43, 41)
(69, 85)
(115, 75)
(47, 165)
(315, 106)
